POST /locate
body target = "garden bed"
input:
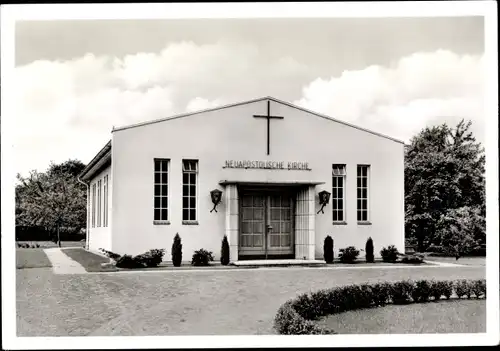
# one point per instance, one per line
(90, 261)
(31, 258)
(301, 315)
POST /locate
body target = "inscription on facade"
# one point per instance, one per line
(291, 166)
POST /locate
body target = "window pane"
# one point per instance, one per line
(185, 189)
(334, 193)
(157, 165)
(359, 182)
(192, 190)
(164, 166)
(364, 193)
(364, 182)
(365, 216)
(364, 171)
(285, 201)
(258, 213)
(185, 214)
(157, 202)
(359, 215)
(334, 204)
(157, 190)
(164, 214)
(185, 178)
(340, 193)
(359, 171)
(359, 193)
(334, 182)
(164, 202)
(192, 178)
(359, 204)
(185, 202)
(364, 204)
(192, 202)
(340, 204)
(164, 178)
(341, 215)
(157, 177)
(164, 190)
(192, 215)
(341, 182)
(335, 217)
(157, 215)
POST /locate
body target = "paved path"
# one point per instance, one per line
(185, 303)
(62, 264)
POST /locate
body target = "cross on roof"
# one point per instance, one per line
(268, 117)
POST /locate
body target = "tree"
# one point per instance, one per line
(444, 170)
(53, 200)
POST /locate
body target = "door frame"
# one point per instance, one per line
(266, 191)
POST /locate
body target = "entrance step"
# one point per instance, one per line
(279, 263)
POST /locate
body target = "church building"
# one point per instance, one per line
(273, 177)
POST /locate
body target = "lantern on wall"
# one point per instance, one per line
(216, 196)
(324, 198)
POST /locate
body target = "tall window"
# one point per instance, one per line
(93, 206)
(338, 192)
(99, 184)
(161, 190)
(362, 183)
(105, 188)
(189, 179)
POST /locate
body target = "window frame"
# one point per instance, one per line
(190, 170)
(359, 169)
(335, 209)
(161, 171)
(93, 205)
(105, 201)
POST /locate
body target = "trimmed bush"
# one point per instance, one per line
(152, 258)
(369, 250)
(389, 254)
(297, 316)
(127, 261)
(328, 249)
(478, 287)
(461, 288)
(422, 291)
(441, 288)
(224, 252)
(202, 257)
(412, 259)
(402, 292)
(348, 255)
(177, 251)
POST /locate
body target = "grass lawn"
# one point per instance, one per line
(31, 258)
(453, 316)
(466, 261)
(90, 261)
(48, 244)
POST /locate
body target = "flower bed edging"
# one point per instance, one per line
(297, 316)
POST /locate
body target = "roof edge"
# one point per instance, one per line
(100, 155)
(253, 101)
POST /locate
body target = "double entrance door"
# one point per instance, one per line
(266, 224)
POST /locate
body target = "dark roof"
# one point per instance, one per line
(90, 169)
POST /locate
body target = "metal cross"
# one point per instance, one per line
(268, 117)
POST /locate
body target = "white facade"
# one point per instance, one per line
(214, 138)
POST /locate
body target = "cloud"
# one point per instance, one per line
(418, 90)
(66, 109)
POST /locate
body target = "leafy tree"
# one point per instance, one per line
(54, 200)
(444, 170)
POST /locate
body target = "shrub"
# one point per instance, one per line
(202, 257)
(37, 245)
(127, 261)
(401, 292)
(348, 255)
(461, 288)
(224, 252)
(478, 287)
(289, 322)
(152, 258)
(369, 250)
(381, 293)
(389, 254)
(177, 251)
(441, 288)
(328, 249)
(422, 291)
(412, 259)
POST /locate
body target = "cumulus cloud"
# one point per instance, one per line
(418, 90)
(66, 109)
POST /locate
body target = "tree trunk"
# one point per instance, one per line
(58, 236)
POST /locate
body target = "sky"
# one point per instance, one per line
(77, 79)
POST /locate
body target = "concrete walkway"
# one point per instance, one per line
(62, 264)
(444, 264)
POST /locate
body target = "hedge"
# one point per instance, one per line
(298, 316)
